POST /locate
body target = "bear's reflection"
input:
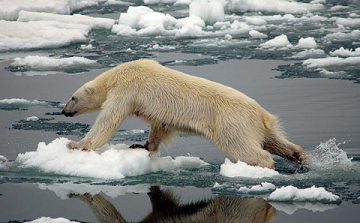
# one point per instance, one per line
(167, 208)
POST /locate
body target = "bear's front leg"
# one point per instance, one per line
(77, 146)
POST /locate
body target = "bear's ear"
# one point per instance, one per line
(89, 90)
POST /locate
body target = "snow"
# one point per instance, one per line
(32, 118)
(262, 188)
(332, 62)
(86, 47)
(16, 35)
(293, 194)
(62, 190)
(281, 6)
(9, 10)
(211, 11)
(106, 23)
(241, 169)
(255, 21)
(51, 220)
(49, 63)
(307, 43)
(257, 35)
(108, 162)
(281, 42)
(341, 52)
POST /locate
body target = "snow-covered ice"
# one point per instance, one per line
(294, 194)
(32, 118)
(241, 169)
(210, 11)
(332, 62)
(108, 162)
(262, 188)
(49, 63)
(307, 43)
(342, 52)
(51, 220)
(279, 42)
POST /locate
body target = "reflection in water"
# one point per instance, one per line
(167, 208)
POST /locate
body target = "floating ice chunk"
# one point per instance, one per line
(123, 30)
(343, 36)
(273, 6)
(241, 169)
(9, 10)
(20, 101)
(158, 47)
(332, 62)
(313, 194)
(40, 34)
(190, 30)
(307, 43)
(32, 118)
(118, 2)
(263, 188)
(309, 53)
(257, 35)
(51, 220)
(255, 21)
(108, 162)
(133, 15)
(3, 161)
(349, 22)
(48, 63)
(86, 47)
(152, 2)
(228, 37)
(211, 11)
(62, 190)
(183, 2)
(278, 42)
(345, 52)
(25, 16)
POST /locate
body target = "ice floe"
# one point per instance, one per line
(32, 118)
(241, 169)
(93, 22)
(279, 42)
(40, 34)
(306, 43)
(51, 220)
(283, 6)
(10, 9)
(262, 188)
(48, 63)
(108, 162)
(309, 53)
(331, 62)
(341, 52)
(210, 11)
(294, 194)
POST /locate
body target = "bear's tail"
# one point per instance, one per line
(276, 142)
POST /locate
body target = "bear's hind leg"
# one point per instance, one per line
(158, 134)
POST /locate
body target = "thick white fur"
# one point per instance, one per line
(172, 101)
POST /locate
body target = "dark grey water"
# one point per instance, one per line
(318, 107)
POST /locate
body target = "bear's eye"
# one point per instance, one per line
(73, 98)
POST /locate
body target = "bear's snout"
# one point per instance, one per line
(68, 114)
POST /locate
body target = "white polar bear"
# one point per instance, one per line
(172, 101)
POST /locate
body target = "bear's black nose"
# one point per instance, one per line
(63, 112)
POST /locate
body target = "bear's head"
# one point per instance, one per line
(84, 100)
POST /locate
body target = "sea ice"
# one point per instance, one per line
(313, 194)
(16, 35)
(211, 11)
(341, 52)
(349, 22)
(93, 22)
(307, 43)
(262, 188)
(19, 101)
(283, 6)
(241, 169)
(331, 62)
(307, 53)
(51, 220)
(108, 162)
(49, 63)
(257, 35)
(32, 118)
(9, 10)
(281, 42)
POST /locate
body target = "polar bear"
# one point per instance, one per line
(172, 102)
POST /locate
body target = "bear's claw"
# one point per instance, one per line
(138, 146)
